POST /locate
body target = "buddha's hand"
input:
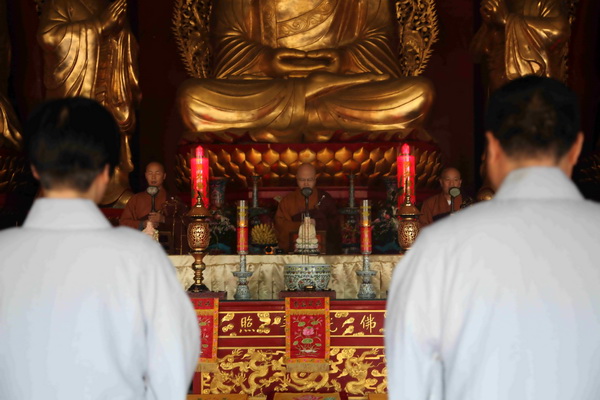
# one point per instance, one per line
(284, 63)
(113, 16)
(330, 58)
(325, 82)
(494, 11)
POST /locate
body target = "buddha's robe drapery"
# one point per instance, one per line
(244, 94)
(80, 59)
(288, 218)
(534, 40)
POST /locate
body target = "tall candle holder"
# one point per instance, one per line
(255, 210)
(350, 215)
(242, 292)
(366, 290)
(408, 224)
(198, 236)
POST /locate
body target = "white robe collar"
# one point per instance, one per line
(537, 183)
(65, 214)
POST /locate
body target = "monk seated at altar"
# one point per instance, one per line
(144, 207)
(443, 204)
(286, 73)
(322, 210)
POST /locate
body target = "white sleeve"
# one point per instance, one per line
(412, 325)
(172, 332)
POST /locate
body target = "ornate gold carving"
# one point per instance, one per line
(278, 167)
(191, 20)
(307, 21)
(418, 31)
(199, 234)
(253, 371)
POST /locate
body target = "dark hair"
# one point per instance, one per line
(70, 141)
(533, 116)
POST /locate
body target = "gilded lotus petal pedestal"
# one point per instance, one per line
(276, 163)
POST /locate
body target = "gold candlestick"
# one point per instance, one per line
(409, 226)
(198, 236)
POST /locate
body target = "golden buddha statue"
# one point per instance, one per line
(287, 71)
(90, 51)
(522, 37)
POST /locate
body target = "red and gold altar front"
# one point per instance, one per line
(251, 351)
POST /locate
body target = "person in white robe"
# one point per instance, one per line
(87, 311)
(502, 300)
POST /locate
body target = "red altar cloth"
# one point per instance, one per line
(251, 351)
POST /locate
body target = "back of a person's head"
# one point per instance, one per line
(70, 141)
(534, 116)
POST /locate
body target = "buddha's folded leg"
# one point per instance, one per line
(393, 104)
(264, 107)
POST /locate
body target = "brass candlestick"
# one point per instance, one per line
(198, 236)
(408, 218)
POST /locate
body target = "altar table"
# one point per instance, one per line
(267, 280)
(251, 351)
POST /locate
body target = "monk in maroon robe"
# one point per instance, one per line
(322, 210)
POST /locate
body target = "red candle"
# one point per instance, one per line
(242, 230)
(405, 164)
(366, 244)
(200, 175)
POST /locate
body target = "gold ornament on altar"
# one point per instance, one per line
(264, 234)
(409, 225)
(198, 236)
(305, 70)
(522, 37)
(89, 51)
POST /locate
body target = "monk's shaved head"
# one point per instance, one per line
(449, 178)
(155, 165)
(155, 174)
(306, 176)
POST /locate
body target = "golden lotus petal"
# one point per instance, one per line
(262, 168)
(325, 155)
(225, 158)
(351, 166)
(376, 154)
(307, 156)
(432, 156)
(254, 156)
(280, 168)
(382, 166)
(247, 168)
(289, 156)
(333, 167)
(343, 155)
(360, 155)
(390, 155)
(366, 167)
(270, 157)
